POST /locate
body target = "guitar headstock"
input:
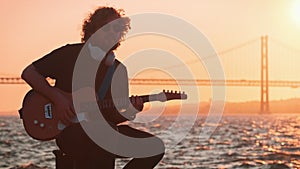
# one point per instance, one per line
(166, 95)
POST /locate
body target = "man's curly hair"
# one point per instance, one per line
(102, 16)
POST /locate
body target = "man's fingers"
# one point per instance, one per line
(132, 99)
(70, 115)
(65, 121)
(140, 100)
(136, 99)
(71, 112)
(137, 102)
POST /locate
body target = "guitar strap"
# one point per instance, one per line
(106, 81)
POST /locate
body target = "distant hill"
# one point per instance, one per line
(289, 106)
(9, 113)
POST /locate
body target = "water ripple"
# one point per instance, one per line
(239, 142)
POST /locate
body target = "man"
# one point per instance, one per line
(60, 65)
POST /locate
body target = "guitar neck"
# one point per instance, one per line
(162, 97)
(111, 103)
(145, 98)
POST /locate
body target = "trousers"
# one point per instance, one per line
(86, 154)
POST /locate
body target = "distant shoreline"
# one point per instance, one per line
(288, 106)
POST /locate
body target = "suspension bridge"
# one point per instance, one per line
(187, 82)
(257, 49)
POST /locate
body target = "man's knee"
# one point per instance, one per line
(160, 144)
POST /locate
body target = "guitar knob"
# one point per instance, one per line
(35, 122)
(42, 125)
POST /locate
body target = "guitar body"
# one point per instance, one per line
(39, 120)
(39, 115)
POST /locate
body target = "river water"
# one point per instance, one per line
(254, 141)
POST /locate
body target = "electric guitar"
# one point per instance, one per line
(39, 114)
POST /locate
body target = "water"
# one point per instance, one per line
(270, 141)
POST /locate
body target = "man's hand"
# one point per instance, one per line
(64, 109)
(63, 106)
(137, 103)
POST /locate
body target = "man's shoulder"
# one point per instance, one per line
(73, 45)
(69, 48)
(119, 63)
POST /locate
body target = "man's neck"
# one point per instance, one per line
(98, 54)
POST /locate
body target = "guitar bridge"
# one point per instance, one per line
(48, 111)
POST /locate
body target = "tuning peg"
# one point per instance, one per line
(183, 92)
(164, 90)
(175, 92)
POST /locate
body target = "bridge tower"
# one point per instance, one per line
(264, 93)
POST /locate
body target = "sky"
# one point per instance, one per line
(33, 28)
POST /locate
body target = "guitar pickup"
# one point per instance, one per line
(48, 111)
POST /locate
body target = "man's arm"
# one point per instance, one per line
(40, 84)
(120, 89)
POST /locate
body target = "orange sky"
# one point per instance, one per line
(32, 28)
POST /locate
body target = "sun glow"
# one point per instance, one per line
(296, 12)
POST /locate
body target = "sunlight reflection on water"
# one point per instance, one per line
(269, 141)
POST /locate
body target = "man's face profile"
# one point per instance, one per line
(110, 34)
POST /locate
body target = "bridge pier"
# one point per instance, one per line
(264, 93)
